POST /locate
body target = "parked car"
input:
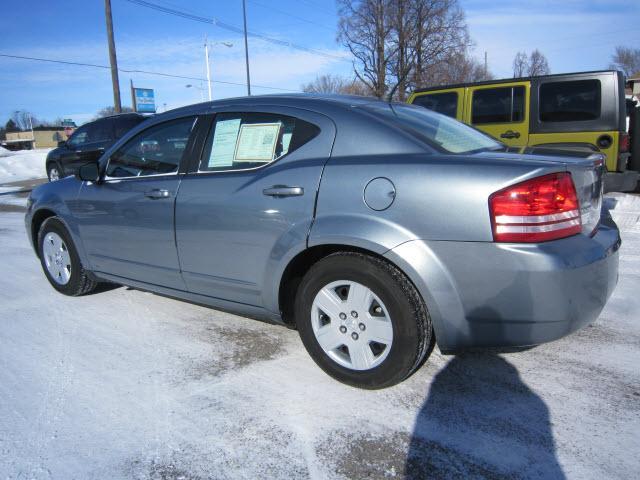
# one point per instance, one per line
(88, 143)
(373, 228)
(575, 111)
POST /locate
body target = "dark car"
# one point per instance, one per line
(88, 143)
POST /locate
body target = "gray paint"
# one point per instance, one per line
(219, 241)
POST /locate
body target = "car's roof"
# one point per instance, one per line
(314, 101)
(511, 80)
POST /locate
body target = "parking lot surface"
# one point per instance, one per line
(128, 384)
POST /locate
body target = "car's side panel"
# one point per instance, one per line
(60, 201)
(435, 197)
(231, 237)
(129, 234)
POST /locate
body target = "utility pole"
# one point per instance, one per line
(485, 65)
(246, 45)
(117, 105)
(206, 59)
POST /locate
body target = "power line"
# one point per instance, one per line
(282, 12)
(233, 28)
(145, 72)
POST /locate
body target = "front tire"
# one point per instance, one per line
(362, 321)
(54, 172)
(60, 261)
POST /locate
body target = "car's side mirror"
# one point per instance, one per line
(89, 172)
(62, 143)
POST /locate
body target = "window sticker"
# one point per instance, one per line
(224, 143)
(257, 142)
(286, 141)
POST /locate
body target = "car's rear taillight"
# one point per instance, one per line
(537, 210)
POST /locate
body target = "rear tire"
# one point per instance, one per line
(60, 261)
(371, 343)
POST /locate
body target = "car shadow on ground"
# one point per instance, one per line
(481, 421)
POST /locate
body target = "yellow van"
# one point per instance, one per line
(577, 112)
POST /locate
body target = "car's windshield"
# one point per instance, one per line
(439, 131)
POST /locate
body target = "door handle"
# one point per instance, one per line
(510, 134)
(157, 193)
(283, 191)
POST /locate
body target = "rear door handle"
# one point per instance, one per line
(283, 191)
(510, 134)
(157, 193)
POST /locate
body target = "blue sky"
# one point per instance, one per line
(574, 35)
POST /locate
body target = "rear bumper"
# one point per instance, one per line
(514, 295)
(621, 181)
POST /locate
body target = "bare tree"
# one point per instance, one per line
(399, 45)
(538, 64)
(325, 84)
(110, 110)
(440, 35)
(364, 28)
(520, 65)
(336, 84)
(24, 120)
(456, 68)
(627, 60)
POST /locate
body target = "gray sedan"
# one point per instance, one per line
(375, 229)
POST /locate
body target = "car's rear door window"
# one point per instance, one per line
(572, 101)
(155, 151)
(241, 141)
(497, 105)
(445, 103)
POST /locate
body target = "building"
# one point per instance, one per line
(40, 137)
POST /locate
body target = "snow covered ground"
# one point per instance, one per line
(127, 384)
(22, 165)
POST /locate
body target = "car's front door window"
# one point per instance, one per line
(155, 151)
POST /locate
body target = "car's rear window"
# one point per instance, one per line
(439, 131)
(570, 101)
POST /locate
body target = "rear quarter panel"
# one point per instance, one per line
(437, 197)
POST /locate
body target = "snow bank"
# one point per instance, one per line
(22, 165)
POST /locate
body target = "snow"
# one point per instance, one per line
(22, 165)
(128, 384)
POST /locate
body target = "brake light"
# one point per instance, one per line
(624, 143)
(537, 210)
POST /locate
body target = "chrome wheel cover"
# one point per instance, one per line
(56, 258)
(352, 325)
(54, 174)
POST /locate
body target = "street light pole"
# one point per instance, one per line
(206, 59)
(246, 46)
(117, 104)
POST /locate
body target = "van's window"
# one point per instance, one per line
(156, 150)
(570, 101)
(438, 131)
(240, 141)
(498, 105)
(444, 103)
